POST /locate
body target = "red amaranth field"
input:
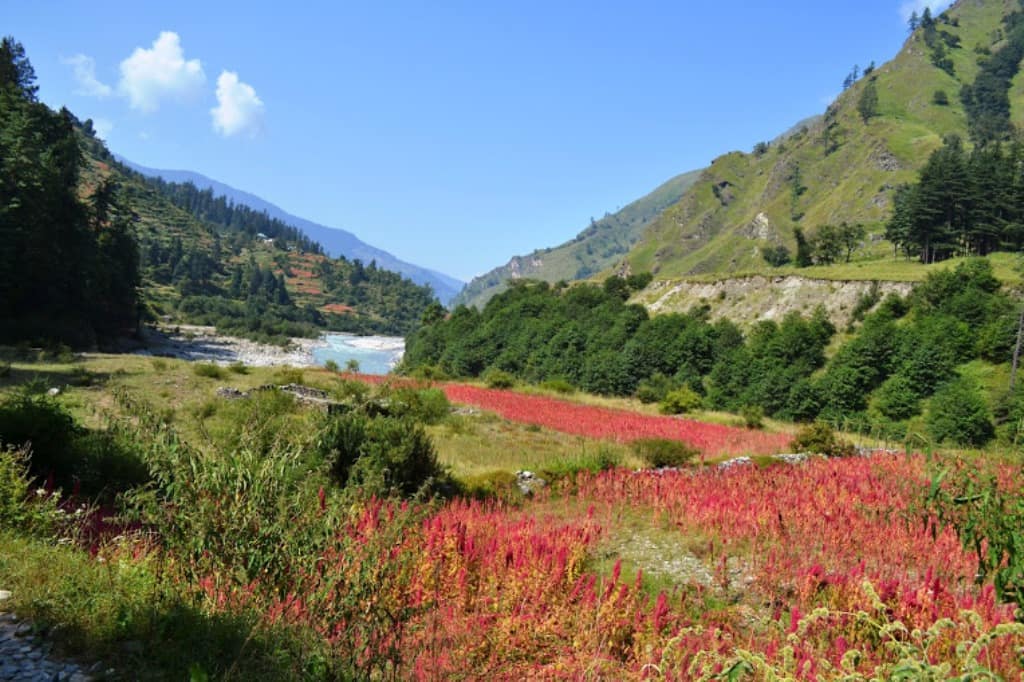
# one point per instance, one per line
(838, 577)
(617, 425)
(601, 422)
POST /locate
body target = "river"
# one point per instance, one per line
(375, 354)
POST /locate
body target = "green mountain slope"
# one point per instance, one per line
(837, 168)
(596, 248)
(206, 260)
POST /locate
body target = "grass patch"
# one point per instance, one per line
(126, 613)
(480, 444)
(208, 370)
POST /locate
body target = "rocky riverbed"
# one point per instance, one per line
(193, 342)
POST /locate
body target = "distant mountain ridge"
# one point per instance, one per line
(336, 242)
(600, 246)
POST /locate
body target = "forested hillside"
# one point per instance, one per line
(335, 242)
(91, 248)
(68, 265)
(936, 363)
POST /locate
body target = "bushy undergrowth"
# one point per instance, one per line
(20, 505)
(380, 455)
(820, 438)
(680, 401)
(268, 550)
(208, 370)
(662, 452)
(60, 451)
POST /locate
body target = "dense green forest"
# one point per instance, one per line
(237, 219)
(254, 300)
(84, 270)
(903, 369)
(68, 266)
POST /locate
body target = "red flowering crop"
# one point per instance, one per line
(612, 424)
(601, 422)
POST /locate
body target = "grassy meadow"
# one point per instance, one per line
(220, 541)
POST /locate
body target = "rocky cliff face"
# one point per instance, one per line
(746, 300)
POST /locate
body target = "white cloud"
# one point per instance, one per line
(148, 76)
(102, 126)
(908, 7)
(84, 68)
(238, 108)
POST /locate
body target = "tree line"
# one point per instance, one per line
(204, 205)
(68, 266)
(964, 203)
(900, 370)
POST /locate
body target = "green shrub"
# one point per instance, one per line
(238, 367)
(159, 364)
(350, 391)
(898, 398)
(866, 301)
(680, 401)
(988, 518)
(753, 416)
(332, 366)
(205, 410)
(496, 378)
(208, 370)
(95, 461)
(601, 459)
(430, 373)
(380, 455)
(396, 457)
(427, 405)
(352, 366)
(821, 438)
(654, 388)
(62, 354)
(663, 452)
(559, 385)
(41, 423)
(958, 414)
(289, 375)
(20, 508)
(108, 462)
(498, 484)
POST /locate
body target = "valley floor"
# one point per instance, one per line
(817, 569)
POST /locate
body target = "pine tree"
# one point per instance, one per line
(803, 249)
(867, 105)
(16, 72)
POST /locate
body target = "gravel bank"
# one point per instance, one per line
(191, 342)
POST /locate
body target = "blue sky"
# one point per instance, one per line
(452, 134)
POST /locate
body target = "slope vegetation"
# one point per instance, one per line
(336, 242)
(842, 167)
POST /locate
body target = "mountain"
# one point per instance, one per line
(843, 166)
(336, 242)
(202, 259)
(596, 248)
